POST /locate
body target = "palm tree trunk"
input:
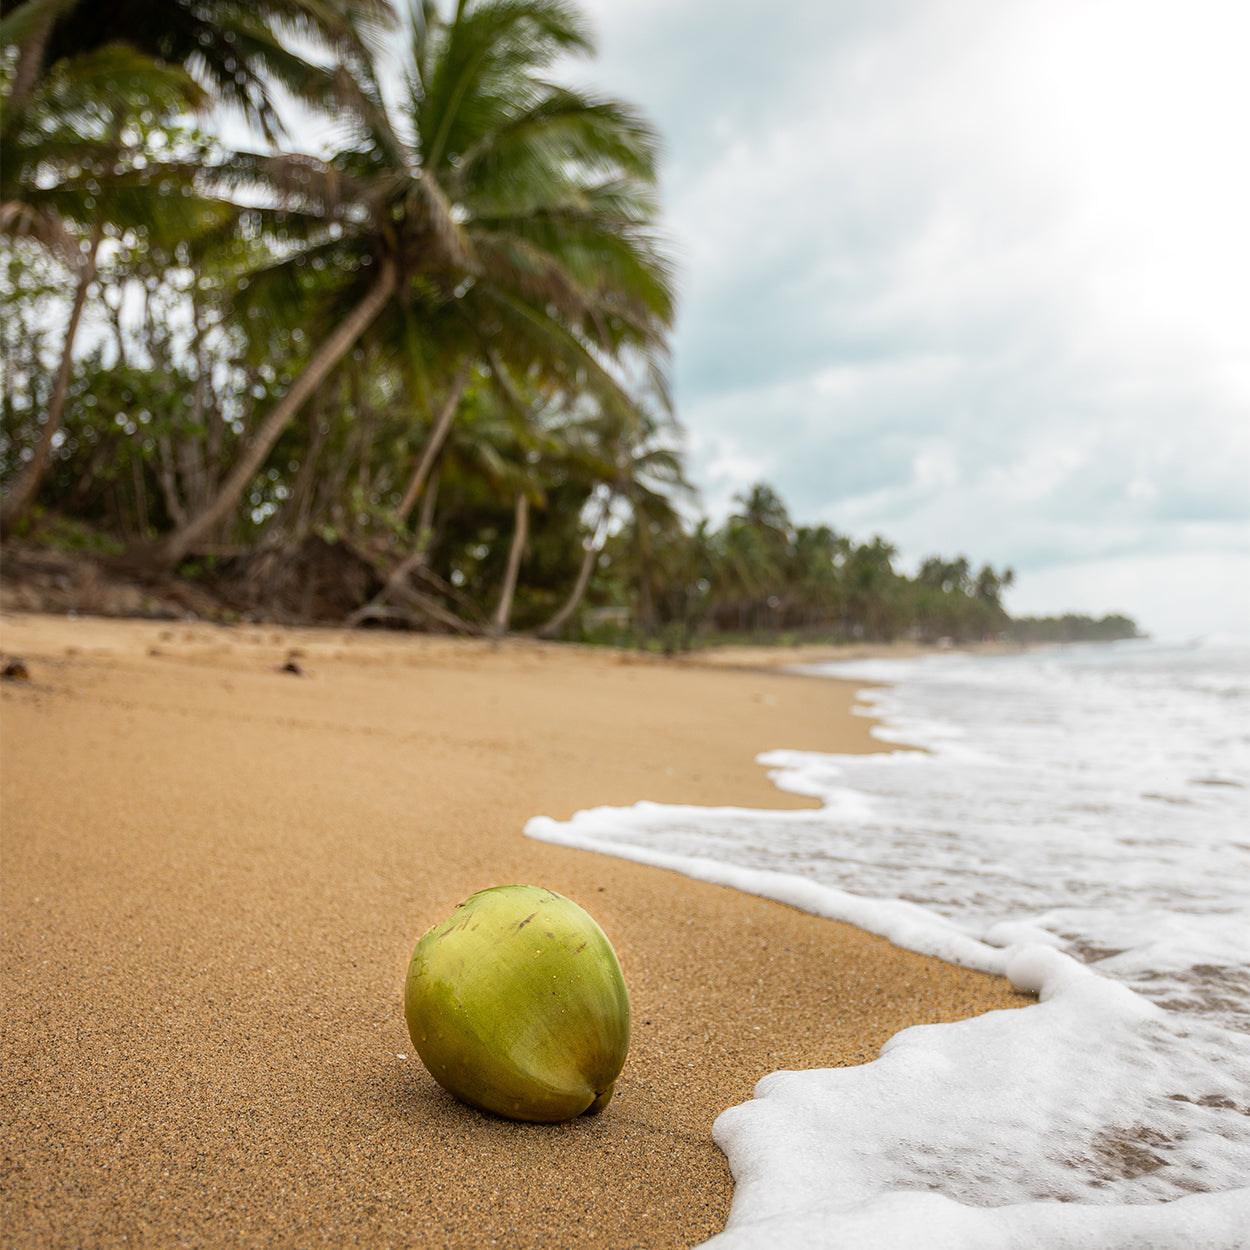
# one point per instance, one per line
(425, 519)
(19, 499)
(520, 531)
(434, 444)
(589, 555)
(417, 558)
(167, 479)
(29, 67)
(226, 500)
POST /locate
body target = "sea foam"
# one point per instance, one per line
(1091, 1119)
(1076, 823)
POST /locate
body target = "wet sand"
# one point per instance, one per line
(213, 872)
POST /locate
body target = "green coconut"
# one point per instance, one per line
(516, 1005)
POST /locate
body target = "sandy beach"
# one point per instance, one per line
(214, 871)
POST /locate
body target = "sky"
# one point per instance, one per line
(973, 275)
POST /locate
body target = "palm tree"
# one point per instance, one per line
(502, 453)
(517, 207)
(82, 70)
(627, 460)
(74, 166)
(871, 585)
(754, 548)
(813, 576)
(238, 52)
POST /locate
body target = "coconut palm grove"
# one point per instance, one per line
(418, 379)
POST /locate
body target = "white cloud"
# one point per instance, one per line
(968, 274)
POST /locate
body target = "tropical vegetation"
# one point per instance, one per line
(417, 376)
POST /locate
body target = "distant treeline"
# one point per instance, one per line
(1072, 628)
(761, 577)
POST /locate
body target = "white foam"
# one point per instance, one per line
(1090, 1120)
(905, 1221)
(1091, 801)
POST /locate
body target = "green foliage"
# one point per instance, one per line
(761, 578)
(494, 253)
(1072, 627)
(242, 52)
(65, 534)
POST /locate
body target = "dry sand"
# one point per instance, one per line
(213, 876)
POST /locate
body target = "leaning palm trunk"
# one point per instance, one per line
(520, 531)
(433, 444)
(226, 500)
(397, 579)
(19, 499)
(590, 553)
(425, 520)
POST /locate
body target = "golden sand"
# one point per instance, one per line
(214, 872)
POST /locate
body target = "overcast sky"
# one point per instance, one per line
(970, 274)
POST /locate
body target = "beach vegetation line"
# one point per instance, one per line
(359, 313)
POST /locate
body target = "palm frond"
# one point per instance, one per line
(481, 64)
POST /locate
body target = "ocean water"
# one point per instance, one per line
(1077, 819)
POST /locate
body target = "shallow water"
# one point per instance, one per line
(1103, 793)
(1079, 819)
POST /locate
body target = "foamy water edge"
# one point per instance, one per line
(1093, 1119)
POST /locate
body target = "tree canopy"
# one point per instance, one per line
(416, 378)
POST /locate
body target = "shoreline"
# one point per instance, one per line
(225, 867)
